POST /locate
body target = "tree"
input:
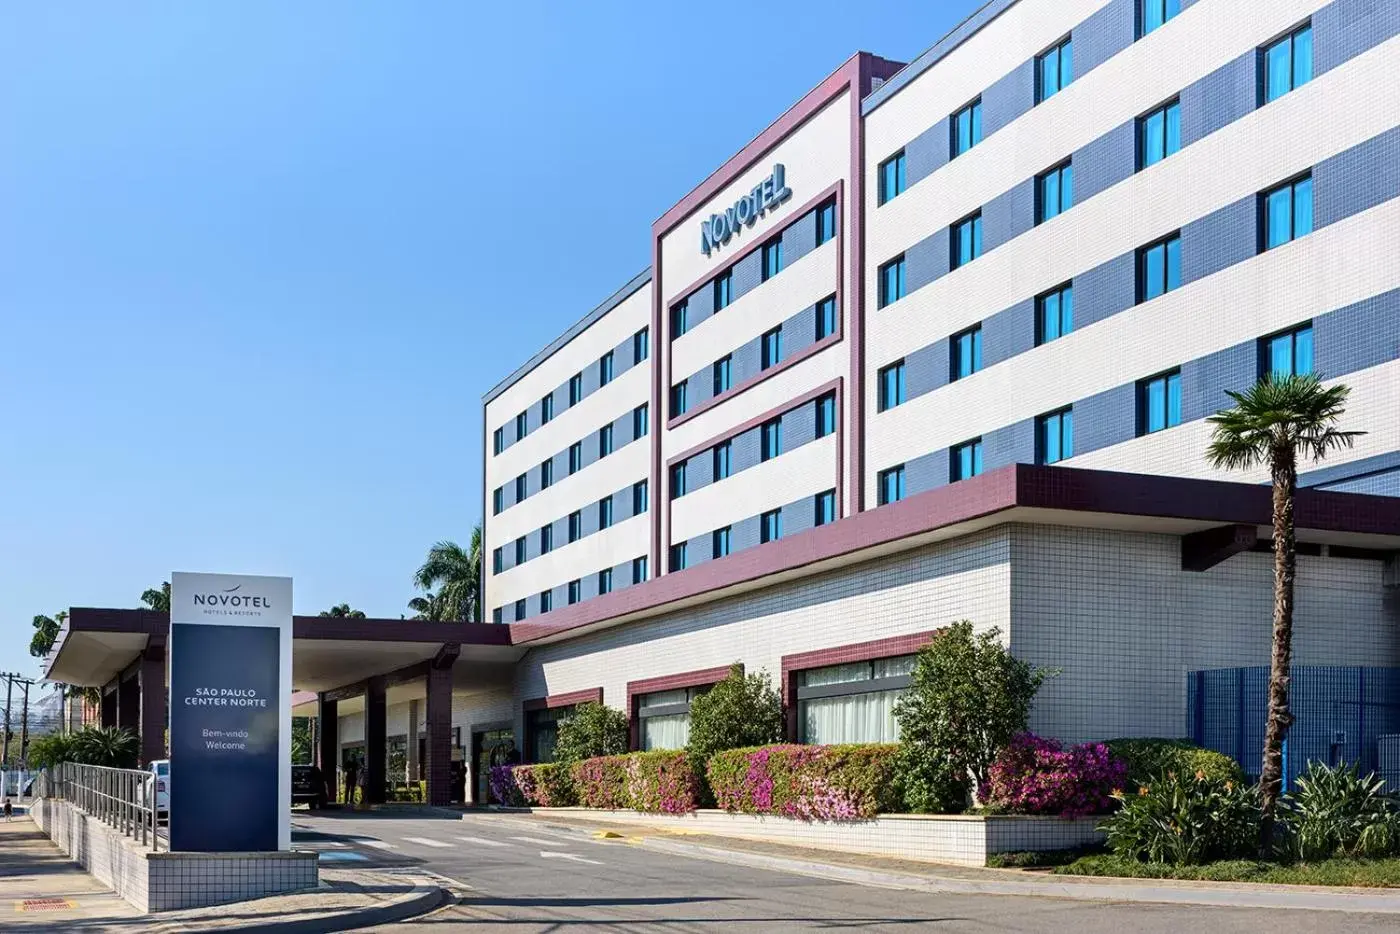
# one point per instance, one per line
(158, 600)
(456, 574)
(967, 697)
(591, 730)
(423, 607)
(46, 633)
(742, 710)
(301, 740)
(1274, 424)
(342, 611)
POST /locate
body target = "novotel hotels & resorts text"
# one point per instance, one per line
(718, 229)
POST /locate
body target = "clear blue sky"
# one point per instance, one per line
(260, 260)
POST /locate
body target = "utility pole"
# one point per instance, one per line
(9, 692)
(25, 684)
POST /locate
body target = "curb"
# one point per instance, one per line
(419, 900)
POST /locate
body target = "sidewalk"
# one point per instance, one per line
(61, 896)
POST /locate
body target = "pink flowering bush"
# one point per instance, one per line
(660, 781)
(546, 785)
(1034, 775)
(827, 783)
(504, 789)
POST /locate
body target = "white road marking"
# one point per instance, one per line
(424, 841)
(539, 842)
(378, 844)
(578, 859)
(482, 841)
(314, 844)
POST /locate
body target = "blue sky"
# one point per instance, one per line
(260, 260)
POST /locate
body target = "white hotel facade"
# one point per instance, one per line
(939, 344)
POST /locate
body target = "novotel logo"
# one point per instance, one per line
(231, 597)
(718, 229)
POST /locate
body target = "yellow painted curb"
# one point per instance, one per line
(606, 835)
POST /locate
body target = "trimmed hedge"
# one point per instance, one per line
(546, 785)
(660, 781)
(829, 783)
(1148, 759)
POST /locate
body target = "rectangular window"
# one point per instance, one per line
(826, 222)
(1055, 437)
(546, 539)
(575, 389)
(891, 485)
(678, 399)
(575, 526)
(721, 456)
(522, 425)
(498, 440)
(1054, 71)
(498, 561)
(680, 320)
(664, 717)
(967, 353)
(770, 526)
(824, 508)
(575, 457)
(575, 591)
(678, 480)
(639, 570)
(771, 439)
(1286, 213)
(771, 350)
(547, 474)
(966, 127)
(1159, 403)
(605, 368)
(521, 487)
(496, 616)
(724, 290)
(721, 375)
(826, 317)
(719, 542)
(892, 176)
(852, 703)
(826, 415)
(1289, 353)
(520, 550)
(892, 281)
(1054, 314)
(1287, 64)
(1054, 192)
(772, 258)
(678, 557)
(639, 497)
(605, 513)
(546, 601)
(641, 345)
(639, 421)
(520, 609)
(1155, 13)
(547, 409)
(605, 582)
(891, 386)
(1159, 134)
(605, 441)
(1159, 268)
(498, 500)
(965, 460)
(967, 240)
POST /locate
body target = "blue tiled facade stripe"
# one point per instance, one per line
(746, 275)
(1386, 483)
(798, 516)
(1105, 290)
(699, 305)
(745, 451)
(926, 261)
(1011, 444)
(1008, 333)
(1357, 180)
(1378, 474)
(1008, 215)
(800, 238)
(622, 510)
(1220, 98)
(1108, 31)
(622, 435)
(799, 427)
(746, 360)
(1008, 98)
(926, 369)
(1205, 379)
(928, 152)
(1348, 28)
(1105, 418)
(927, 472)
(1356, 338)
(1105, 162)
(1219, 240)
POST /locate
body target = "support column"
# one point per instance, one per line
(438, 725)
(412, 741)
(376, 725)
(129, 702)
(151, 684)
(109, 704)
(328, 744)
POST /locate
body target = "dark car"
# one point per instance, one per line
(308, 787)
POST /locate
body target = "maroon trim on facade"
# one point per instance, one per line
(89, 619)
(1203, 550)
(794, 665)
(685, 679)
(587, 695)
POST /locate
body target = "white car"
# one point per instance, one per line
(160, 770)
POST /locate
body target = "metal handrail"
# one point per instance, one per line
(124, 799)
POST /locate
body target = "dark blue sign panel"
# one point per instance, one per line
(224, 709)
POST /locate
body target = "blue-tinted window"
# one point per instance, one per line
(546, 539)
(721, 454)
(605, 581)
(520, 609)
(1288, 354)
(546, 474)
(641, 345)
(1054, 71)
(772, 258)
(1159, 268)
(825, 508)
(640, 420)
(1055, 437)
(546, 601)
(575, 388)
(680, 319)
(678, 480)
(1159, 402)
(547, 409)
(891, 484)
(826, 415)
(605, 513)
(605, 441)
(826, 222)
(605, 368)
(1155, 13)
(967, 353)
(639, 570)
(891, 386)
(498, 561)
(520, 488)
(496, 616)
(575, 591)
(1054, 192)
(892, 281)
(520, 550)
(966, 127)
(1159, 134)
(498, 440)
(639, 497)
(498, 500)
(1287, 64)
(967, 240)
(1054, 314)
(892, 176)
(1287, 213)
(678, 557)
(719, 542)
(678, 399)
(575, 457)
(771, 350)
(721, 375)
(771, 439)
(724, 290)
(770, 526)
(826, 317)
(965, 460)
(575, 526)
(522, 425)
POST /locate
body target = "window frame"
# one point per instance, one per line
(770, 348)
(1143, 258)
(1293, 187)
(547, 409)
(680, 399)
(1170, 381)
(546, 601)
(498, 441)
(640, 498)
(1290, 37)
(883, 478)
(974, 353)
(770, 526)
(1062, 417)
(723, 290)
(1058, 50)
(639, 570)
(521, 609)
(819, 514)
(575, 521)
(717, 537)
(973, 110)
(826, 414)
(605, 441)
(498, 500)
(896, 266)
(546, 538)
(973, 449)
(892, 174)
(871, 685)
(1167, 13)
(826, 317)
(680, 319)
(956, 257)
(546, 474)
(575, 389)
(825, 212)
(1266, 343)
(890, 386)
(770, 439)
(641, 421)
(721, 461)
(771, 258)
(678, 557)
(522, 425)
(574, 591)
(1063, 178)
(575, 457)
(641, 345)
(522, 550)
(1059, 294)
(1144, 122)
(678, 480)
(605, 369)
(605, 513)
(605, 581)
(722, 370)
(522, 488)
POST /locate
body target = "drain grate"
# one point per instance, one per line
(45, 904)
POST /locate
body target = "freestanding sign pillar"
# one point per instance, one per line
(230, 657)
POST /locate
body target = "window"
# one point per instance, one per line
(546, 601)
(605, 581)
(605, 368)
(680, 320)
(498, 440)
(1054, 192)
(826, 317)
(546, 474)
(522, 425)
(496, 616)
(664, 717)
(520, 609)
(724, 292)
(722, 368)
(1155, 13)
(639, 570)
(719, 542)
(641, 345)
(1054, 314)
(852, 703)
(891, 386)
(1159, 134)
(542, 732)
(826, 222)
(605, 445)
(678, 399)
(721, 456)
(678, 480)
(770, 439)
(965, 460)
(772, 258)
(547, 409)
(498, 561)
(575, 388)
(967, 240)
(891, 485)
(605, 513)
(520, 550)
(639, 421)
(678, 557)
(639, 497)
(967, 353)
(1159, 268)
(498, 500)
(892, 176)
(575, 591)
(1159, 402)
(546, 539)
(1054, 71)
(892, 281)
(1288, 354)
(575, 457)
(575, 526)
(771, 351)
(770, 526)
(1055, 437)
(521, 488)
(1287, 64)
(826, 415)
(966, 127)
(824, 510)
(1286, 213)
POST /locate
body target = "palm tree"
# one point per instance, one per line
(46, 633)
(457, 576)
(342, 611)
(423, 607)
(158, 600)
(1278, 421)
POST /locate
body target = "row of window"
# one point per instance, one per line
(574, 590)
(604, 509)
(603, 439)
(770, 529)
(770, 437)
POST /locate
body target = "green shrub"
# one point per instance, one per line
(1148, 758)
(546, 785)
(848, 782)
(1185, 819)
(591, 730)
(114, 747)
(661, 781)
(1335, 812)
(967, 697)
(742, 710)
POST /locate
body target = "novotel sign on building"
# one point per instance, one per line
(719, 229)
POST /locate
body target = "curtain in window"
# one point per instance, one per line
(853, 718)
(669, 732)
